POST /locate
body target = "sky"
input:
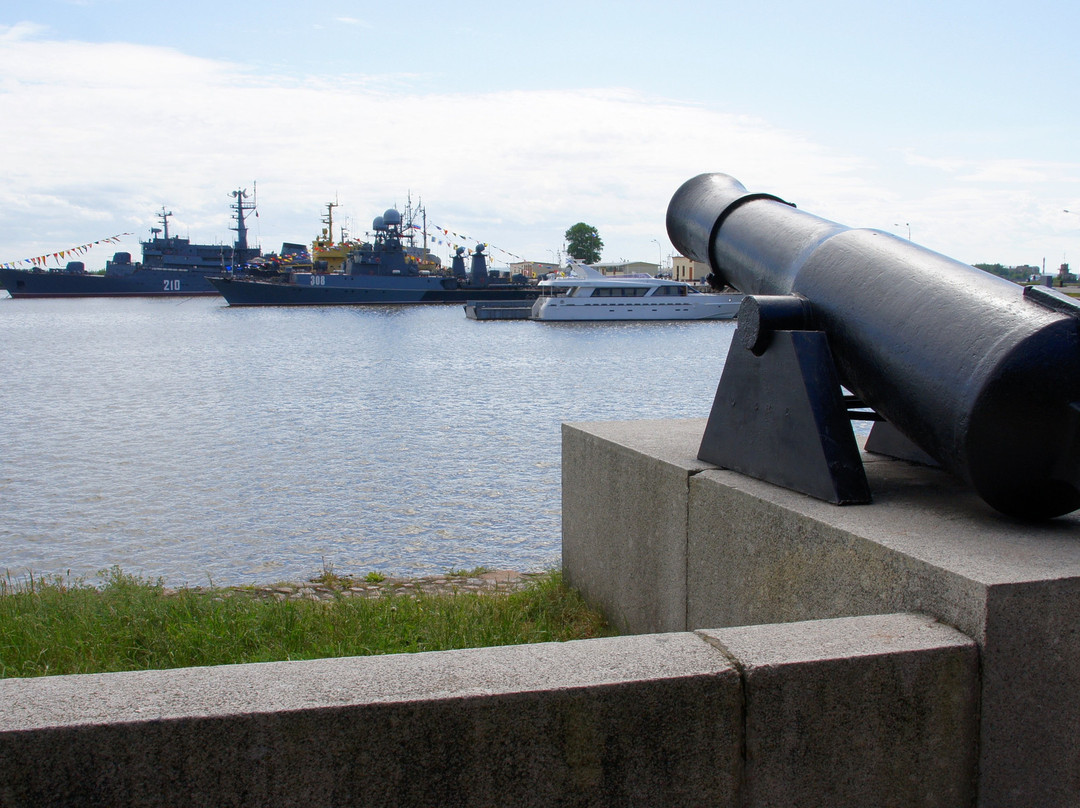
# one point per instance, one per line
(949, 122)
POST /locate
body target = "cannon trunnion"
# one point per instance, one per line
(963, 368)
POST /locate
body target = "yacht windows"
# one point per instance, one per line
(670, 290)
(620, 291)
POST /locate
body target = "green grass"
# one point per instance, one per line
(55, 626)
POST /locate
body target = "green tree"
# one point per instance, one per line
(583, 242)
(1018, 274)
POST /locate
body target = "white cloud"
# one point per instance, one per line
(999, 170)
(10, 34)
(99, 136)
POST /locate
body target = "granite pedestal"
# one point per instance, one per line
(664, 542)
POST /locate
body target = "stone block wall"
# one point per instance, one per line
(674, 719)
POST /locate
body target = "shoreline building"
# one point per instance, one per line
(687, 270)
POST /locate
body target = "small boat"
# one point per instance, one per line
(171, 266)
(499, 309)
(583, 293)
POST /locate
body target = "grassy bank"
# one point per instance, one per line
(52, 627)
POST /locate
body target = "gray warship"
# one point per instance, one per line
(388, 269)
(170, 266)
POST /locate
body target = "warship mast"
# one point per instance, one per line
(241, 207)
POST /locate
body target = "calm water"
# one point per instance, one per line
(188, 440)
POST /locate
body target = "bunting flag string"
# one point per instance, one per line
(445, 236)
(40, 261)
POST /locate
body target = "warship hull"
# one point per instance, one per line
(21, 283)
(351, 290)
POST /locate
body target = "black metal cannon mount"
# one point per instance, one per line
(957, 367)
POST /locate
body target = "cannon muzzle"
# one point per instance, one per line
(979, 373)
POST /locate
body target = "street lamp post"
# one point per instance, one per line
(660, 255)
(908, 226)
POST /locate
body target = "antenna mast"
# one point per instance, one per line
(164, 216)
(241, 208)
(328, 220)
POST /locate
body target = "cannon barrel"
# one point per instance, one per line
(979, 373)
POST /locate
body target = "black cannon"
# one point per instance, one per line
(959, 367)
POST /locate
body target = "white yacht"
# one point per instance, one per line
(583, 293)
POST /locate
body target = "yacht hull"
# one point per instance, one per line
(693, 307)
